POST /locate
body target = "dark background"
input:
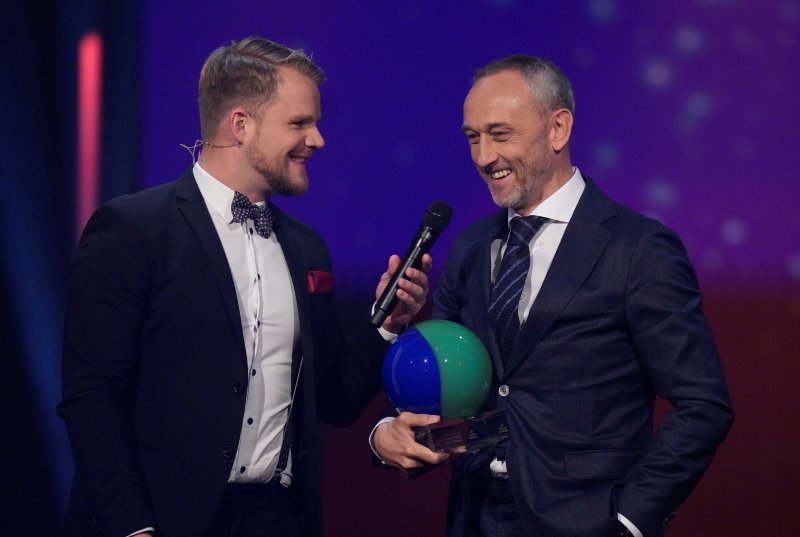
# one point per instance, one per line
(686, 111)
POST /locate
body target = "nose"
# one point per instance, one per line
(314, 139)
(483, 153)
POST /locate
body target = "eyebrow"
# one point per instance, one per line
(489, 126)
(303, 118)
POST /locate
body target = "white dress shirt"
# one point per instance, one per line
(270, 328)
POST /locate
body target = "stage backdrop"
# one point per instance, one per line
(686, 111)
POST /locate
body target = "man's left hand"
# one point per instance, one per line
(411, 293)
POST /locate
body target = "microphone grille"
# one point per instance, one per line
(437, 216)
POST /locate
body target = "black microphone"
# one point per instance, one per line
(436, 218)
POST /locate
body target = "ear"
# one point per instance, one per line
(560, 129)
(240, 124)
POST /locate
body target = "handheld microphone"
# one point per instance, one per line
(436, 218)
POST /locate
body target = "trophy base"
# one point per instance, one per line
(464, 435)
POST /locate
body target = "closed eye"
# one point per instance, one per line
(302, 122)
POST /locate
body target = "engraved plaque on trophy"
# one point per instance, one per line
(464, 435)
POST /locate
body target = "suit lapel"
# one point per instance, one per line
(194, 210)
(580, 248)
(482, 282)
(298, 272)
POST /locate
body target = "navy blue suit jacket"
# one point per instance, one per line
(155, 370)
(617, 322)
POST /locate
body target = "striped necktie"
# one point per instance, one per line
(505, 296)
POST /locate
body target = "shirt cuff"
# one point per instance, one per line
(628, 524)
(372, 435)
(387, 336)
(145, 530)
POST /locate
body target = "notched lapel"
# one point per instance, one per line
(193, 208)
(478, 286)
(582, 245)
(298, 271)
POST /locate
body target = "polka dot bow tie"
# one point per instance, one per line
(242, 209)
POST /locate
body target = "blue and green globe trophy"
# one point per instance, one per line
(441, 367)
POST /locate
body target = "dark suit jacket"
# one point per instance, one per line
(155, 370)
(617, 322)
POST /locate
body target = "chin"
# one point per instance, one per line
(502, 202)
(301, 187)
(290, 187)
(503, 199)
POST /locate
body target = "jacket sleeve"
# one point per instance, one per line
(673, 343)
(105, 307)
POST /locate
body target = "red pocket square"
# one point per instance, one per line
(320, 281)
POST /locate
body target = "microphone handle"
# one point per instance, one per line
(413, 258)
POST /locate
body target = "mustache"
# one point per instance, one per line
(493, 167)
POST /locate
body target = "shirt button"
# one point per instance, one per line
(503, 390)
(249, 421)
(253, 372)
(242, 469)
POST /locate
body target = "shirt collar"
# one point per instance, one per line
(218, 197)
(561, 204)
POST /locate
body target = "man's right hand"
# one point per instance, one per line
(395, 444)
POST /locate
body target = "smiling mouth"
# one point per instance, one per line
(499, 174)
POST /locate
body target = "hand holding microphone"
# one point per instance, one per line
(435, 220)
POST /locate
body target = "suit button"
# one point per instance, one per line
(503, 390)
(227, 452)
(238, 388)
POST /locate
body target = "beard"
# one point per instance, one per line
(530, 173)
(277, 177)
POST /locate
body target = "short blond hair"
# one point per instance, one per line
(245, 73)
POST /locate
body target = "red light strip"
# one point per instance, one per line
(90, 90)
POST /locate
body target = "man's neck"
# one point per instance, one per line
(232, 173)
(560, 176)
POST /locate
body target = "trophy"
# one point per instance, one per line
(441, 367)
(464, 435)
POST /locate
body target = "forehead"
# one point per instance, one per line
(296, 93)
(500, 97)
